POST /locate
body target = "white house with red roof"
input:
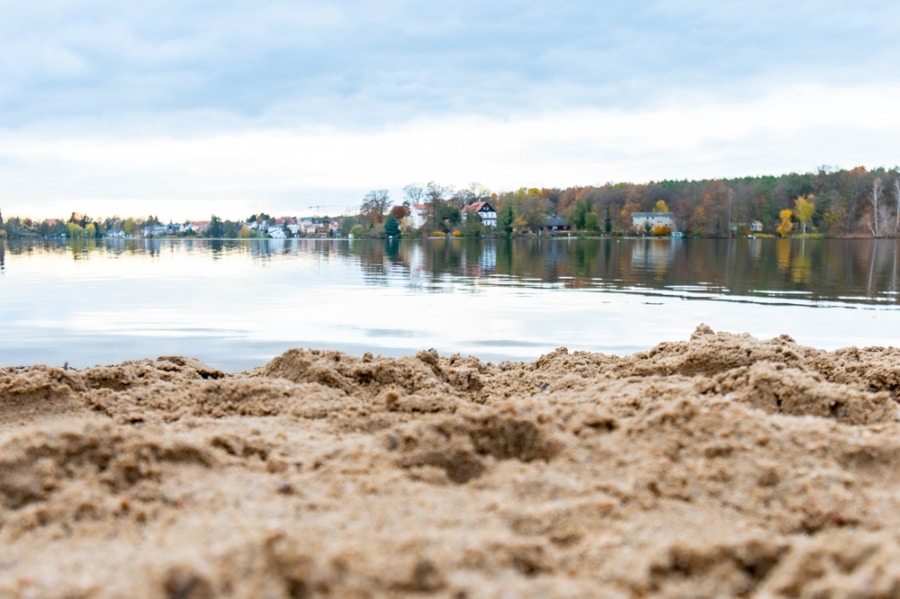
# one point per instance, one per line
(484, 210)
(417, 215)
(199, 226)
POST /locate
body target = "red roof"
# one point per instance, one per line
(476, 207)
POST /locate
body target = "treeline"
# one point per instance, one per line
(845, 202)
(77, 226)
(81, 226)
(828, 201)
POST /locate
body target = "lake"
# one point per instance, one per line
(235, 304)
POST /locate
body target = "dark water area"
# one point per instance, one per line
(851, 271)
(238, 303)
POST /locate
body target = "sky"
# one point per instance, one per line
(187, 108)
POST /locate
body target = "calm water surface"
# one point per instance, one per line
(236, 304)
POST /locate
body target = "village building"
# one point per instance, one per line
(554, 222)
(641, 220)
(417, 215)
(482, 209)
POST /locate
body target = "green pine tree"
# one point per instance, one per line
(391, 226)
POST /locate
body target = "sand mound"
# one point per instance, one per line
(723, 465)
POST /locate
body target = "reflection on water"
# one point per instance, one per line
(237, 303)
(849, 271)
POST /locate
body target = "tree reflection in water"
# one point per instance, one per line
(814, 269)
(843, 270)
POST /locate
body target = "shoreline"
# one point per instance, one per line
(722, 465)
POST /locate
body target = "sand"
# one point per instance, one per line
(719, 466)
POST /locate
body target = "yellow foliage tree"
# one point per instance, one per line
(661, 206)
(786, 225)
(804, 208)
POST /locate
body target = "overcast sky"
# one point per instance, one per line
(187, 108)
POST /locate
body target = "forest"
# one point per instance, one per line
(843, 203)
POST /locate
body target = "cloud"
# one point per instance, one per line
(364, 63)
(197, 106)
(288, 170)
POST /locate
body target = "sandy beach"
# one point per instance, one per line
(719, 466)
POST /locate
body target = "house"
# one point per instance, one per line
(418, 214)
(116, 233)
(155, 230)
(754, 226)
(554, 222)
(199, 226)
(291, 224)
(484, 210)
(645, 220)
(307, 227)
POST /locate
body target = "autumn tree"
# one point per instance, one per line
(630, 206)
(661, 206)
(804, 208)
(434, 195)
(786, 225)
(399, 212)
(530, 208)
(375, 204)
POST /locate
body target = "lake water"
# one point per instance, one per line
(235, 304)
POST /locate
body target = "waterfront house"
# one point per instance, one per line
(482, 209)
(155, 230)
(641, 220)
(554, 222)
(199, 226)
(418, 213)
